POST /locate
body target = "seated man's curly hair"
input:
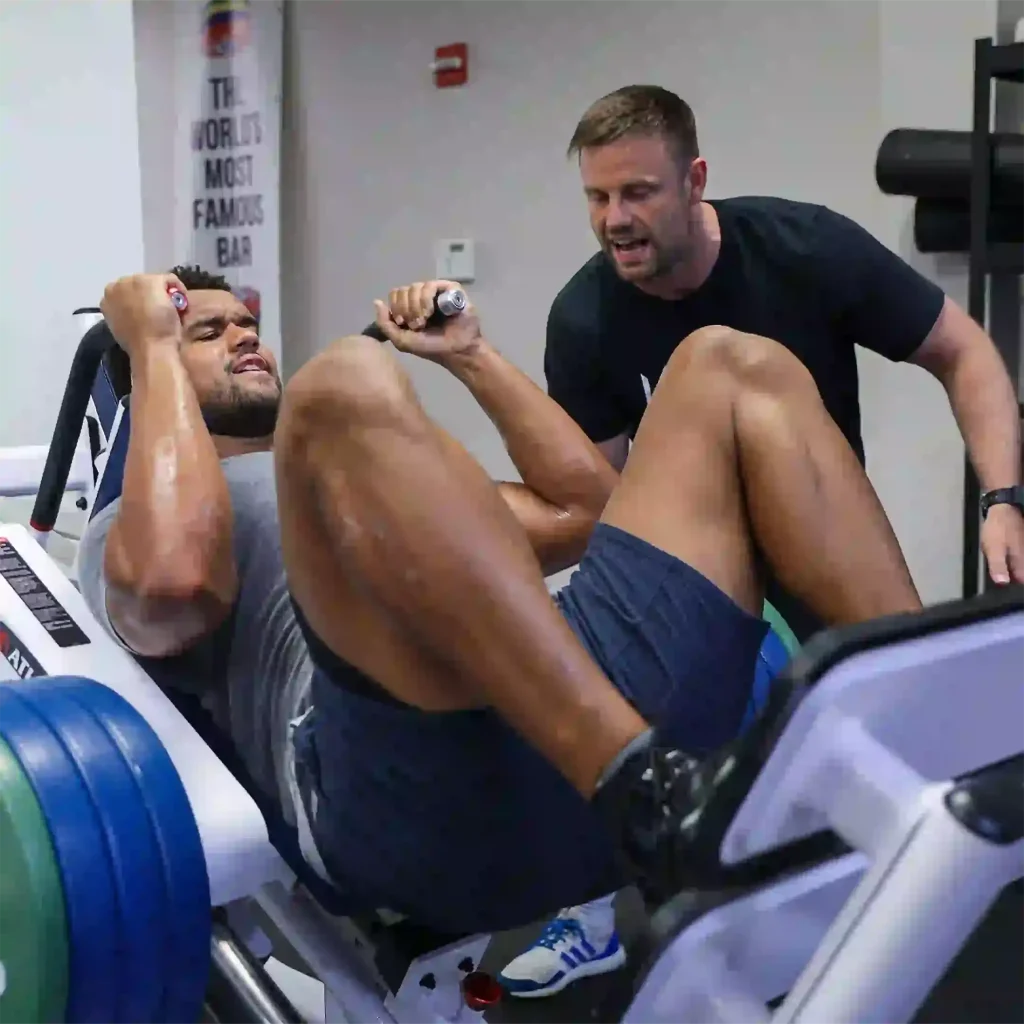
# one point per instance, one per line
(116, 359)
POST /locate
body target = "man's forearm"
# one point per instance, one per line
(555, 458)
(983, 401)
(173, 534)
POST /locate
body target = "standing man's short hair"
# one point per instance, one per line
(638, 110)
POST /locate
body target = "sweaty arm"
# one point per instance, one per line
(566, 480)
(168, 564)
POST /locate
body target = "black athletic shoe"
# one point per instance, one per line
(670, 812)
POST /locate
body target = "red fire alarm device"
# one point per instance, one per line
(451, 65)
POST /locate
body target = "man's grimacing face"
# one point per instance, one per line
(234, 376)
(641, 201)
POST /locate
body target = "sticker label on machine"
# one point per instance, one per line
(15, 660)
(49, 612)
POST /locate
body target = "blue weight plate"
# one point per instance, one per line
(94, 967)
(131, 843)
(184, 862)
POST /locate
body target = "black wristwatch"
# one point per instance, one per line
(1002, 496)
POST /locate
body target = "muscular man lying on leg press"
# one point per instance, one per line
(474, 750)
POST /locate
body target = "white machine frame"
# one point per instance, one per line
(878, 772)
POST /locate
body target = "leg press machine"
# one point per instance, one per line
(870, 818)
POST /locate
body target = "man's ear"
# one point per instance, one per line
(698, 180)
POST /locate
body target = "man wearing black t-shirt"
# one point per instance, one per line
(671, 262)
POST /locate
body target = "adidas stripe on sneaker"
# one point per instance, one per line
(569, 948)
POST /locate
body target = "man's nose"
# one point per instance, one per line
(617, 215)
(242, 338)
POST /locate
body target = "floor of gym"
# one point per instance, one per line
(983, 986)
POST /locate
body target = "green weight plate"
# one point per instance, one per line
(33, 932)
(771, 615)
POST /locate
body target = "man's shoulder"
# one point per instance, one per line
(780, 232)
(785, 222)
(768, 208)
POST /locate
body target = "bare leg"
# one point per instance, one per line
(409, 565)
(737, 458)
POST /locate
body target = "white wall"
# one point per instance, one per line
(792, 99)
(387, 173)
(915, 454)
(154, 26)
(70, 209)
(70, 205)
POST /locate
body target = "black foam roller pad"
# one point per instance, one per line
(944, 225)
(930, 164)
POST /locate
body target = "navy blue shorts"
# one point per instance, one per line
(456, 821)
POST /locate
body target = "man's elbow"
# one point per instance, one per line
(181, 572)
(165, 615)
(565, 543)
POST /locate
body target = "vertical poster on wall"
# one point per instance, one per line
(228, 66)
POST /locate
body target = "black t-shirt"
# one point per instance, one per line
(808, 277)
(799, 273)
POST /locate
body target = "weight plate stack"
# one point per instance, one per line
(33, 932)
(133, 858)
(90, 897)
(136, 889)
(183, 863)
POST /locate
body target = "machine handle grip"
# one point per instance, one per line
(447, 303)
(178, 299)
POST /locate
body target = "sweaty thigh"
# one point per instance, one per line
(680, 489)
(344, 616)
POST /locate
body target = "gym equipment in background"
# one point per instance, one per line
(969, 188)
(944, 225)
(935, 168)
(931, 164)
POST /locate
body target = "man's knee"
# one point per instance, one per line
(750, 360)
(356, 380)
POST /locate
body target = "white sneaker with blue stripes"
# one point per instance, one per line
(579, 943)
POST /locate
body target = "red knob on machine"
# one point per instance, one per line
(480, 990)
